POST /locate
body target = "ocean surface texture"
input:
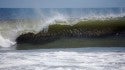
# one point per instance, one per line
(95, 58)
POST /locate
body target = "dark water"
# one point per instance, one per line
(76, 43)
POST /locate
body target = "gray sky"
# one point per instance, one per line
(61, 3)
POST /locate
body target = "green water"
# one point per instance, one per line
(76, 43)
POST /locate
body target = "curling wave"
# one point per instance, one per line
(16, 24)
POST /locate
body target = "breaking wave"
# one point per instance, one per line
(15, 22)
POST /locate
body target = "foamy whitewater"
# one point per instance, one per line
(95, 58)
(14, 22)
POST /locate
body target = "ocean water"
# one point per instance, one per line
(103, 53)
(17, 21)
(89, 58)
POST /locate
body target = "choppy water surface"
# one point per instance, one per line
(95, 58)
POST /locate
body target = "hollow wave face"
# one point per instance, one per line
(15, 22)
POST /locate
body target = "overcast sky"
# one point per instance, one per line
(61, 3)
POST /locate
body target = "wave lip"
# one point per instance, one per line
(6, 42)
